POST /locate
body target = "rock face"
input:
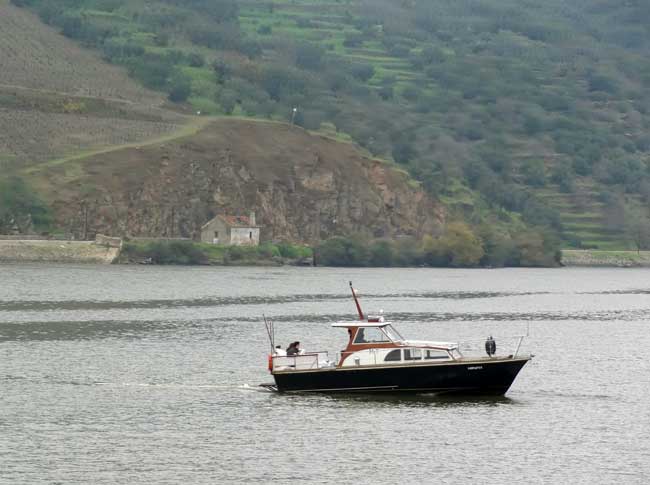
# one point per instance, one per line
(303, 188)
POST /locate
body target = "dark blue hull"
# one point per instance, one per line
(485, 377)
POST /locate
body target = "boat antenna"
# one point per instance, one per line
(270, 331)
(356, 302)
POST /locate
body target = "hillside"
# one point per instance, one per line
(504, 110)
(536, 108)
(303, 187)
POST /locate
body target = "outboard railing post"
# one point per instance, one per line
(518, 345)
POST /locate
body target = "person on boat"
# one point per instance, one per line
(293, 349)
(279, 351)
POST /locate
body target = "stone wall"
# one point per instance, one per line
(617, 259)
(245, 236)
(109, 242)
(56, 252)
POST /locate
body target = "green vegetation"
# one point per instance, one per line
(192, 253)
(21, 210)
(458, 247)
(606, 258)
(496, 106)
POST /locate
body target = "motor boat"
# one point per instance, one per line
(378, 359)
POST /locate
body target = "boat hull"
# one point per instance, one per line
(483, 377)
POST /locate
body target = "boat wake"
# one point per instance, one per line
(233, 387)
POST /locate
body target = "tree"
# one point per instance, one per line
(637, 228)
(403, 152)
(381, 254)
(228, 100)
(498, 245)
(362, 72)
(222, 70)
(534, 172)
(181, 88)
(341, 251)
(533, 249)
(195, 59)
(309, 56)
(279, 81)
(461, 246)
(19, 204)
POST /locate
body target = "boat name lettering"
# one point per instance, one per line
(476, 367)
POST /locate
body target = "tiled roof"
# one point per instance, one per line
(236, 221)
(232, 221)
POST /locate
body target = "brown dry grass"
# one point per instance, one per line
(58, 100)
(31, 137)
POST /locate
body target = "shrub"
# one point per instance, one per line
(341, 251)
(362, 72)
(20, 205)
(309, 56)
(460, 246)
(268, 250)
(180, 89)
(195, 59)
(291, 251)
(167, 252)
(382, 254)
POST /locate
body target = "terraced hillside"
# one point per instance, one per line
(505, 111)
(58, 99)
(589, 208)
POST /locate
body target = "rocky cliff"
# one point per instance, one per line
(303, 187)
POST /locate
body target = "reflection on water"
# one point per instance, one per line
(28, 305)
(150, 375)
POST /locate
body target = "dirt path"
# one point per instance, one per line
(194, 125)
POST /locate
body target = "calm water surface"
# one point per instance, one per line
(150, 375)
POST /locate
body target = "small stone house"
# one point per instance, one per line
(231, 230)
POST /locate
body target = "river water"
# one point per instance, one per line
(137, 374)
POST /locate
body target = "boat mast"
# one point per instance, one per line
(356, 302)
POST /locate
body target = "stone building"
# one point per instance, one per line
(235, 230)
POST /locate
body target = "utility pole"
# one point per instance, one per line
(171, 229)
(84, 208)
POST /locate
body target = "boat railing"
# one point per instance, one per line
(505, 346)
(306, 361)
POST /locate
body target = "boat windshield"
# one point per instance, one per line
(370, 335)
(392, 334)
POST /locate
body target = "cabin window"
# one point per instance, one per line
(435, 354)
(393, 356)
(412, 354)
(250, 235)
(216, 234)
(370, 335)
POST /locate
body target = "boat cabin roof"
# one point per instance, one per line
(360, 324)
